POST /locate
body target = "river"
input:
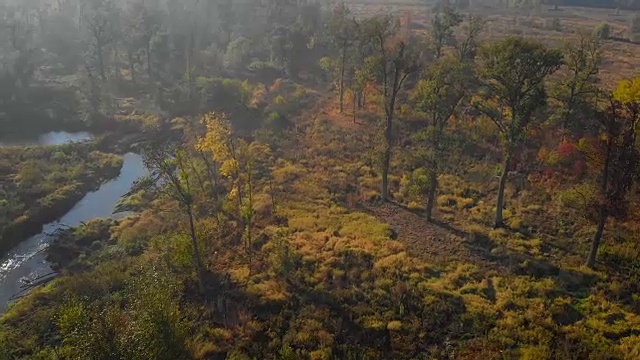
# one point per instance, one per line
(28, 258)
(50, 138)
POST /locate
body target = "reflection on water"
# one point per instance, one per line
(50, 138)
(28, 258)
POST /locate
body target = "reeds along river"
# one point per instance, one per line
(27, 260)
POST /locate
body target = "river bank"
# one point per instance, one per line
(61, 202)
(28, 259)
(39, 184)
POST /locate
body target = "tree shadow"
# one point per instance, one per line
(420, 211)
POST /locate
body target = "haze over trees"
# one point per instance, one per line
(326, 181)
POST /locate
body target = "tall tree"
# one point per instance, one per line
(342, 29)
(395, 58)
(468, 45)
(438, 96)
(171, 173)
(242, 163)
(100, 26)
(577, 90)
(443, 24)
(513, 72)
(616, 152)
(146, 19)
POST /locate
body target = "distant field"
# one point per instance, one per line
(620, 57)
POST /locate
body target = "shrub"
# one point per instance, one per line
(602, 31)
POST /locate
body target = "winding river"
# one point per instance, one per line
(27, 260)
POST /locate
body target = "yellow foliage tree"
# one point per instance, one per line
(240, 162)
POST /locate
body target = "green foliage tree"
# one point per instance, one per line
(144, 24)
(173, 175)
(100, 27)
(148, 326)
(439, 95)
(19, 56)
(577, 89)
(442, 26)
(602, 31)
(394, 59)
(238, 53)
(513, 72)
(468, 46)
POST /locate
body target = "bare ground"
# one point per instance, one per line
(436, 242)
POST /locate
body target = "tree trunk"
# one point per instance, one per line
(595, 242)
(250, 217)
(101, 61)
(597, 237)
(354, 107)
(385, 171)
(131, 67)
(149, 70)
(116, 70)
(503, 182)
(431, 197)
(196, 251)
(344, 60)
(386, 159)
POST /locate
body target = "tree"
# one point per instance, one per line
(242, 163)
(100, 25)
(238, 53)
(438, 96)
(442, 26)
(148, 23)
(394, 59)
(288, 45)
(468, 46)
(616, 152)
(513, 72)
(19, 59)
(171, 173)
(577, 90)
(602, 31)
(343, 32)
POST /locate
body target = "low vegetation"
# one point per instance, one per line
(40, 184)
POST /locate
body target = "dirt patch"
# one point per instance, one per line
(436, 243)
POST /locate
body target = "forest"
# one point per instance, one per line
(307, 179)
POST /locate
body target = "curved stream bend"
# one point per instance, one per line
(28, 258)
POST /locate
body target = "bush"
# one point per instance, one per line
(553, 24)
(602, 31)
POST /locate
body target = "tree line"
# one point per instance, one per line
(521, 85)
(155, 48)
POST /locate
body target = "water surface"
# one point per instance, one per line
(50, 138)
